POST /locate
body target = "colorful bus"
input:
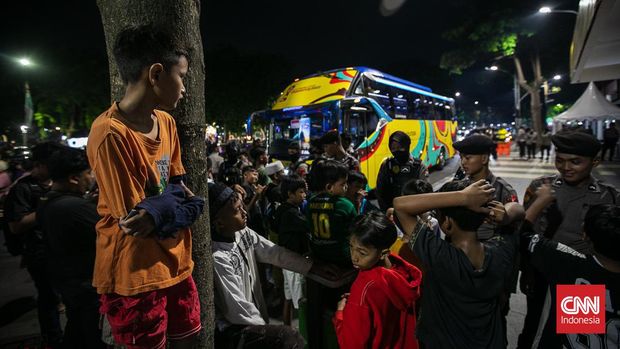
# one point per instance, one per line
(369, 105)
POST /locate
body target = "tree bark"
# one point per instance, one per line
(533, 88)
(182, 20)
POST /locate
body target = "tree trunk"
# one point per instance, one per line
(533, 88)
(182, 18)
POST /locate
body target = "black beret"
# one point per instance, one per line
(475, 145)
(219, 194)
(576, 143)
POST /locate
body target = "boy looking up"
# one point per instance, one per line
(144, 278)
(241, 311)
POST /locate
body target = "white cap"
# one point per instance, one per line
(274, 167)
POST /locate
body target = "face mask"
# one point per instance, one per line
(401, 156)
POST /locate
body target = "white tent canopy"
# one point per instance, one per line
(591, 106)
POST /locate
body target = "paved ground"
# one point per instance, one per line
(18, 321)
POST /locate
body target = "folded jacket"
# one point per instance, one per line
(172, 210)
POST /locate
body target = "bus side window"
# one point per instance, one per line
(413, 103)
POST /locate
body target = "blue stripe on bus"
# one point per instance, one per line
(412, 89)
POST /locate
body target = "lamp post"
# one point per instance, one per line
(516, 89)
(26, 63)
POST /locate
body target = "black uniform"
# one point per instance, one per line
(393, 176)
(561, 221)
(563, 266)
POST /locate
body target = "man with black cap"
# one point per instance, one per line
(574, 190)
(397, 170)
(475, 152)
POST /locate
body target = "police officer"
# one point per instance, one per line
(397, 170)
(574, 190)
(475, 152)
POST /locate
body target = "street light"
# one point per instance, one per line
(557, 77)
(25, 62)
(476, 102)
(546, 10)
(516, 88)
(457, 94)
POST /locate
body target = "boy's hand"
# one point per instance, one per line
(497, 213)
(343, 301)
(477, 194)
(260, 189)
(139, 225)
(545, 194)
(188, 193)
(239, 190)
(390, 214)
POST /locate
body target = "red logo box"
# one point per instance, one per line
(580, 309)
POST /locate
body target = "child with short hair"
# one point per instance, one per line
(330, 214)
(356, 192)
(291, 227)
(143, 264)
(241, 311)
(464, 277)
(379, 312)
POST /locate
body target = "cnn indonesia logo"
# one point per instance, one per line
(580, 309)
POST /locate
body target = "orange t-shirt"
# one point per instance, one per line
(129, 167)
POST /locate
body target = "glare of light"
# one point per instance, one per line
(25, 62)
(493, 67)
(64, 138)
(476, 102)
(457, 94)
(57, 128)
(512, 123)
(545, 10)
(24, 128)
(557, 77)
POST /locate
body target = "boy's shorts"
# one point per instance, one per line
(293, 286)
(148, 319)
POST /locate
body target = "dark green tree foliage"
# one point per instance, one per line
(496, 30)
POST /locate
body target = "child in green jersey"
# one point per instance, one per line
(330, 214)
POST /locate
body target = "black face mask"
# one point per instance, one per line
(294, 157)
(401, 156)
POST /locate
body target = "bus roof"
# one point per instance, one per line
(333, 85)
(376, 73)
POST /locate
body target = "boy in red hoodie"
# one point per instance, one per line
(384, 292)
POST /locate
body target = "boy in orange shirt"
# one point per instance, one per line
(144, 276)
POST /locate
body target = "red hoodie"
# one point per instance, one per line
(380, 310)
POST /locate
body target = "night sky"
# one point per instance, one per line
(311, 35)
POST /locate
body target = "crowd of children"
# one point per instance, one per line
(425, 270)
